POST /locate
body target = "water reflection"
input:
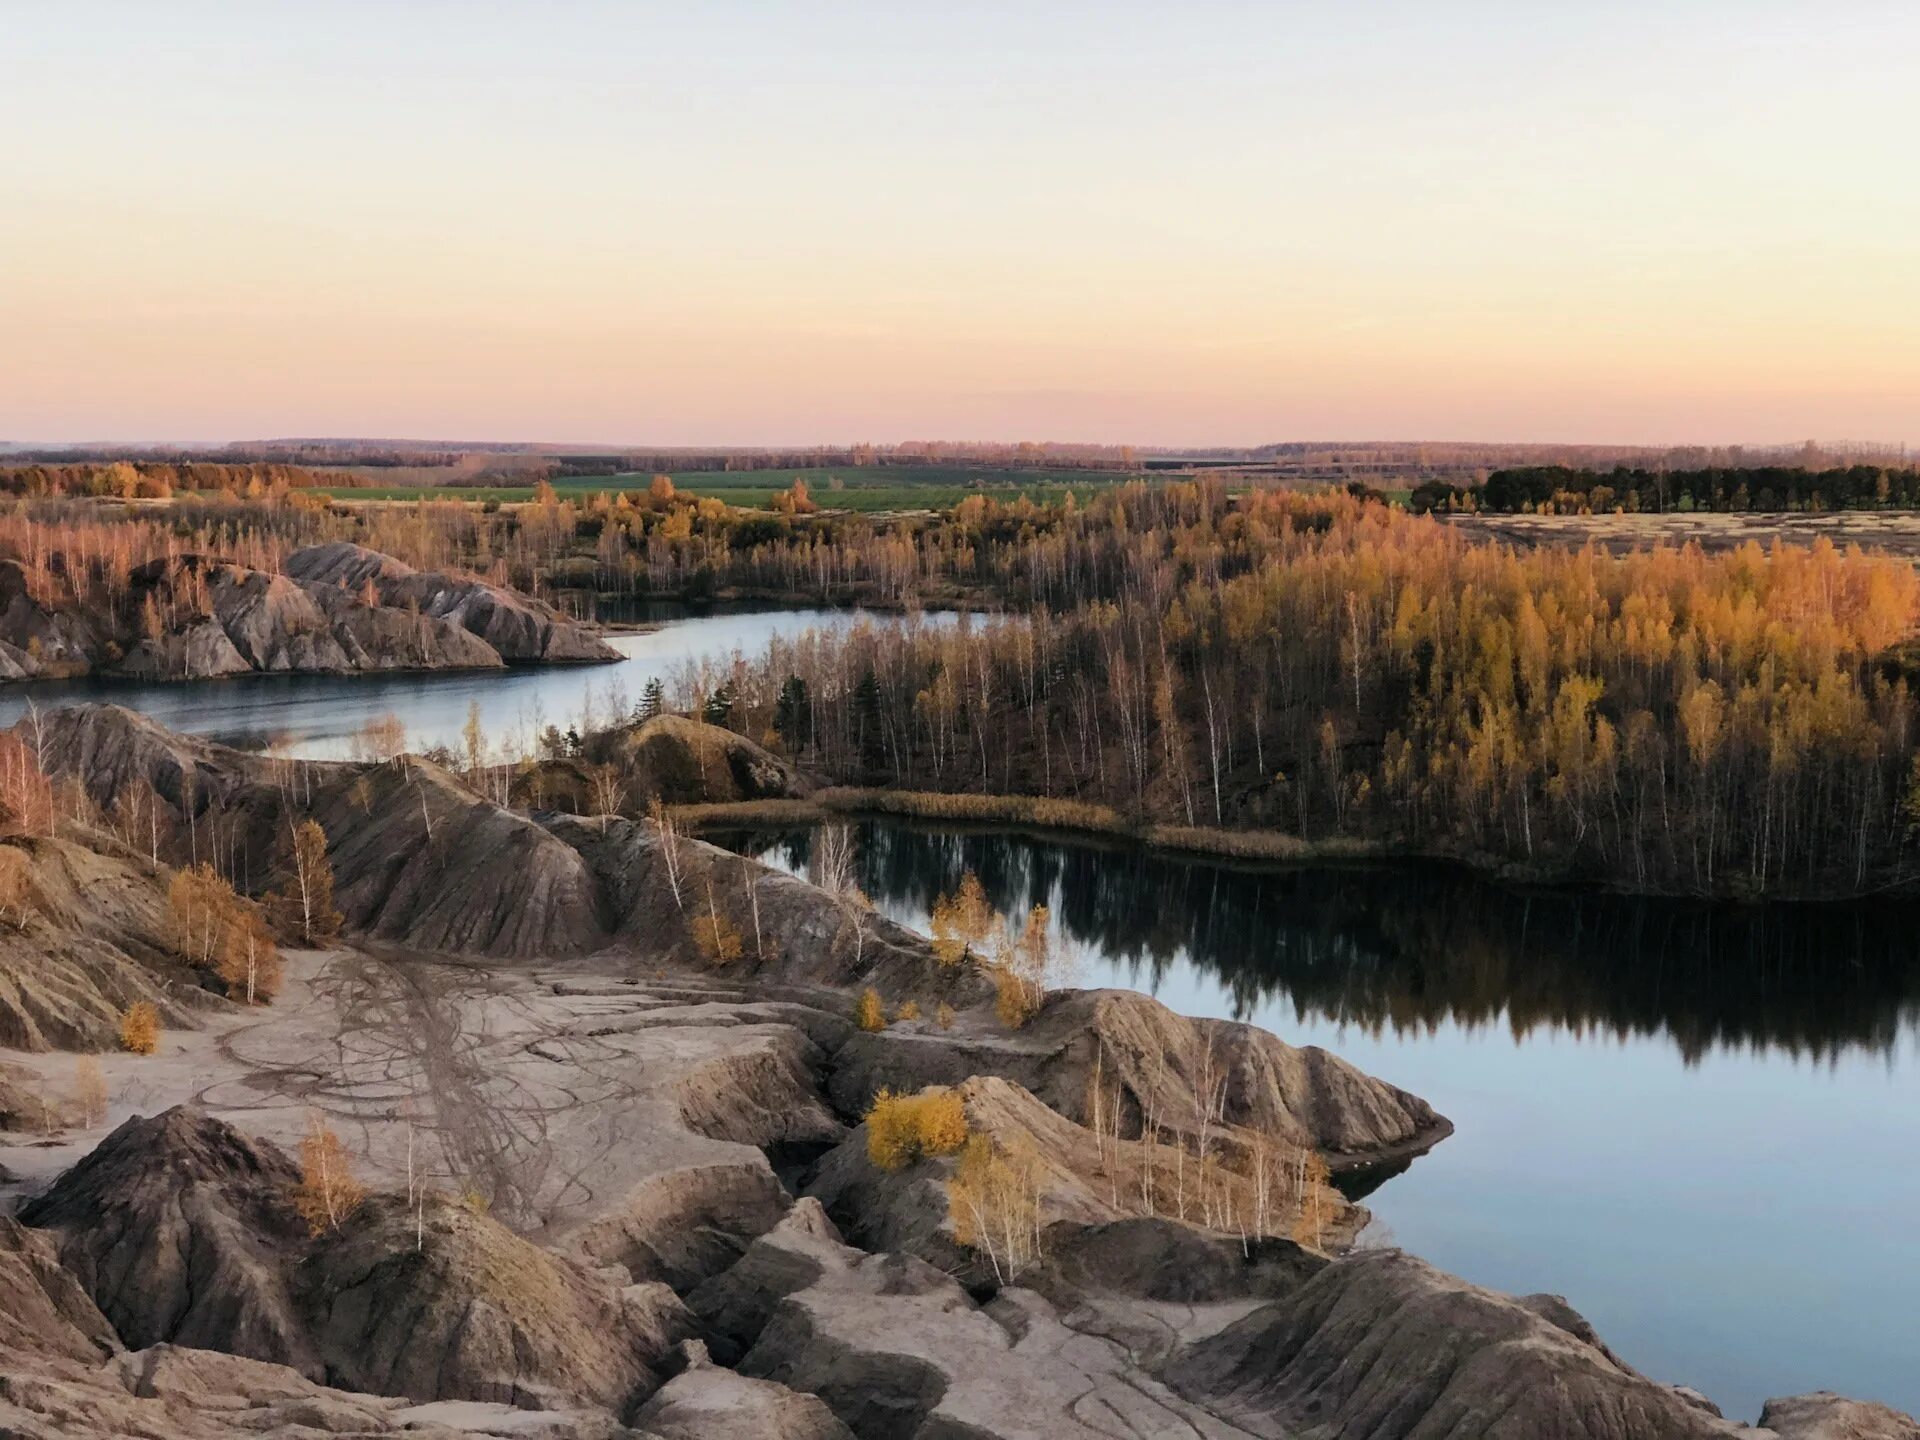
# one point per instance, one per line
(318, 716)
(1405, 948)
(1698, 1123)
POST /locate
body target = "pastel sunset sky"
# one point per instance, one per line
(745, 223)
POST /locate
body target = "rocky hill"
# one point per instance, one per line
(335, 609)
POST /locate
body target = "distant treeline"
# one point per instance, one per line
(156, 480)
(926, 453)
(1558, 490)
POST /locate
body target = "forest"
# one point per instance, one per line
(160, 479)
(1317, 665)
(1558, 490)
(1666, 721)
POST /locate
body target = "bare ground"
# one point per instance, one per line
(1891, 532)
(551, 1094)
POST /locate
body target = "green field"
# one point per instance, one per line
(875, 488)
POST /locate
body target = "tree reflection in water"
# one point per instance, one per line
(1411, 946)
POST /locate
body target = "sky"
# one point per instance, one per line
(760, 223)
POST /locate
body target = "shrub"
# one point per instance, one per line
(868, 1013)
(963, 922)
(328, 1192)
(140, 1028)
(714, 934)
(943, 1017)
(903, 1128)
(909, 1010)
(994, 1197)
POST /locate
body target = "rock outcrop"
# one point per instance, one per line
(336, 609)
(518, 628)
(671, 759)
(467, 1310)
(1384, 1345)
(1826, 1416)
(181, 1229)
(43, 1309)
(705, 1401)
(418, 858)
(1153, 1061)
(1077, 1182)
(86, 937)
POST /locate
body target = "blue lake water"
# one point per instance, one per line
(317, 716)
(1700, 1124)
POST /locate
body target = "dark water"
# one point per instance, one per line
(1701, 1124)
(316, 716)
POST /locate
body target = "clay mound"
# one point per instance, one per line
(680, 1227)
(1161, 1259)
(705, 1401)
(765, 1096)
(671, 759)
(379, 637)
(1157, 1060)
(21, 1094)
(167, 1392)
(90, 938)
(1826, 1416)
(345, 566)
(112, 751)
(894, 1347)
(687, 762)
(420, 859)
(179, 1228)
(1079, 1182)
(43, 1311)
(805, 935)
(417, 857)
(476, 1313)
(1384, 1345)
(518, 627)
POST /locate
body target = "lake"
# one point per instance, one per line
(317, 716)
(1701, 1124)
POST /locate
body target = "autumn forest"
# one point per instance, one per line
(1315, 665)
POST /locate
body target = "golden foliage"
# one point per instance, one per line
(904, 1128)
(89, 1090)
(909, 1010)
(868, 1011)
(219, 930)
(26, 795)
(140, 1028)
(303, 907)
(328, 1192)
(1020, 974)
(718, 941)
(963, 922)
(1317, 1205)
(994, 1198)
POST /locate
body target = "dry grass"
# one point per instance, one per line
(903, 1128)
(1027, 811)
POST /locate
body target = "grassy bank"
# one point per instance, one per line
(1025, 811)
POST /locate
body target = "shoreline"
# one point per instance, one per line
(1081, 821)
